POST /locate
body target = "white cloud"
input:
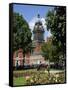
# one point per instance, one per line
(47, 34)
(32, 22)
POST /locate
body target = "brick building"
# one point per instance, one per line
(35, 56)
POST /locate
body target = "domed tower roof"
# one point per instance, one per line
(38, 25)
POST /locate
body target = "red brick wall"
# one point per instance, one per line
(27, 58)
(20, 55)
(38, 48)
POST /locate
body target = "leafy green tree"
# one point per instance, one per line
(21, 34)
(47, 49)
(56, 23)
(47, 52)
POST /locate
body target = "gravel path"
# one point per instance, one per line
(55, 71)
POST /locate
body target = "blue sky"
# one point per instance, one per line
(30, 12)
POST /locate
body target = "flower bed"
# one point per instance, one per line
(34, 77)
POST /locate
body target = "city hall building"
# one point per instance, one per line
(35, 56)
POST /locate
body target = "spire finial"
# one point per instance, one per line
(38, 16)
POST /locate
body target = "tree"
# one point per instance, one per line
(47, 49)
(21, 34)
(56, 23)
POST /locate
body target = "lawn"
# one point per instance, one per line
(19, 81)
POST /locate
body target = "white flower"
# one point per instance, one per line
(56, 80)
(57, 76)
(31, 81)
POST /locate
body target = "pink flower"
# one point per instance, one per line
(27, 77)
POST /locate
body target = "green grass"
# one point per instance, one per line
(19, 81)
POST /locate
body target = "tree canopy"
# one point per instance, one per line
(56, 23)
(21, 33)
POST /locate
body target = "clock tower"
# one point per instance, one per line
(38, 33)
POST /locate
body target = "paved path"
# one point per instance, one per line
(55, 71)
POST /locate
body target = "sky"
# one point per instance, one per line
(30, 12)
